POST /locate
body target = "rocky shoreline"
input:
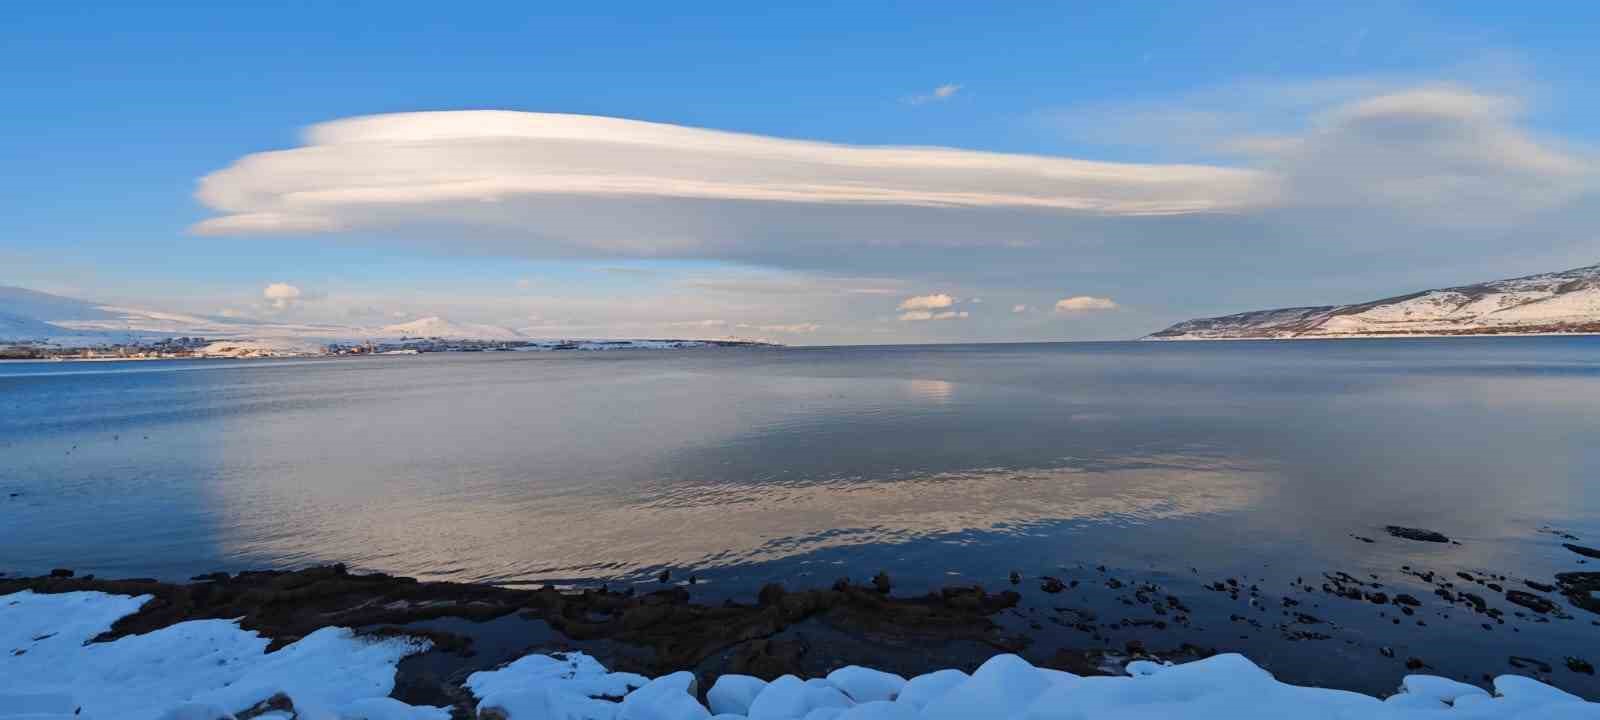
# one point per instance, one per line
(659, 628)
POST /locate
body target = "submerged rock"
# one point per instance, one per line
(1588, 552)
(1418, 534)
(1531, 601)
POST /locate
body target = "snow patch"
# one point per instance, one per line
(49, 668)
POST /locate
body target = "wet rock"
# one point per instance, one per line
(1588, 552)
(1016, 578)
(1523, 663)
(1541, 587)
(1404, 599)
(1387, 652)
(1378, 598)
(61, 573)
(1476, 601)
(1418, 534)
(769, 659)
(665, 576)
(1580, 589)
(1580, 665)
(1414, 663)
(1051, 585)
(278, 703)
(1364, 539)
(880, 582)
(1536, 603)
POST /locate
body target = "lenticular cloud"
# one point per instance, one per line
(445, 166)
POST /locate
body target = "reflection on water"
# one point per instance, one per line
(748, 464)
(935, 391)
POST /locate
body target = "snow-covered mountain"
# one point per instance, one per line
(33, 316)
(1549, 303)
(438, 327)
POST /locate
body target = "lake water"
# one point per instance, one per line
(1178, 463)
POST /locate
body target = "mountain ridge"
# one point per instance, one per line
(1550, 303)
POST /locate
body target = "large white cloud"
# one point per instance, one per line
(379, 170)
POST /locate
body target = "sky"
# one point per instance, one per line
(838, 173)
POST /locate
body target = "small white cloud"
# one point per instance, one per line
(939, 94)
(976, 301)
(916, 315)
(927, 302)
(1084, 303)
(1019, 308)
(281, 295)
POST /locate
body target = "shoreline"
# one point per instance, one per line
(653, 630)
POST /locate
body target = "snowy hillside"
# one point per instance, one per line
(1549, 303)
(438, 327)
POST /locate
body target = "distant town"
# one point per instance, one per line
(179, 348)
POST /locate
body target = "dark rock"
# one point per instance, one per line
(1364, 539)
(769, 659)
(1541, 587)
(1536, 603)
(1417, 534)
(1580, 665)
(1404, 599)
(1523, 663)
(1387, 652)
(1580, 589)
(1016, 578)
(665, 576)
(1378, 598)
(278, 703)
(1413, 663)
(1476, 601)
(880, 582)
(61, 573)
(1051, 585)
(1581, 550)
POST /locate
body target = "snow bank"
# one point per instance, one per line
(209, 669)
(1225, 686)
(202, 669)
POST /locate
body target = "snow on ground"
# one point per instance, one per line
(207, 669)
(197, 670)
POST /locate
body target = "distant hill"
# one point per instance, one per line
(1549, 303)
(438, 327)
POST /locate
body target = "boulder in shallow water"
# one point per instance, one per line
(1418, 534)
(1581, 550)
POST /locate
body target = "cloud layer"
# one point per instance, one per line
(383, 170)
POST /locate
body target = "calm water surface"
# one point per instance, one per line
(1180, 463)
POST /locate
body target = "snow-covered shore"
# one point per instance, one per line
(212, 669)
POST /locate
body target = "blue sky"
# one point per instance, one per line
(118, 110)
